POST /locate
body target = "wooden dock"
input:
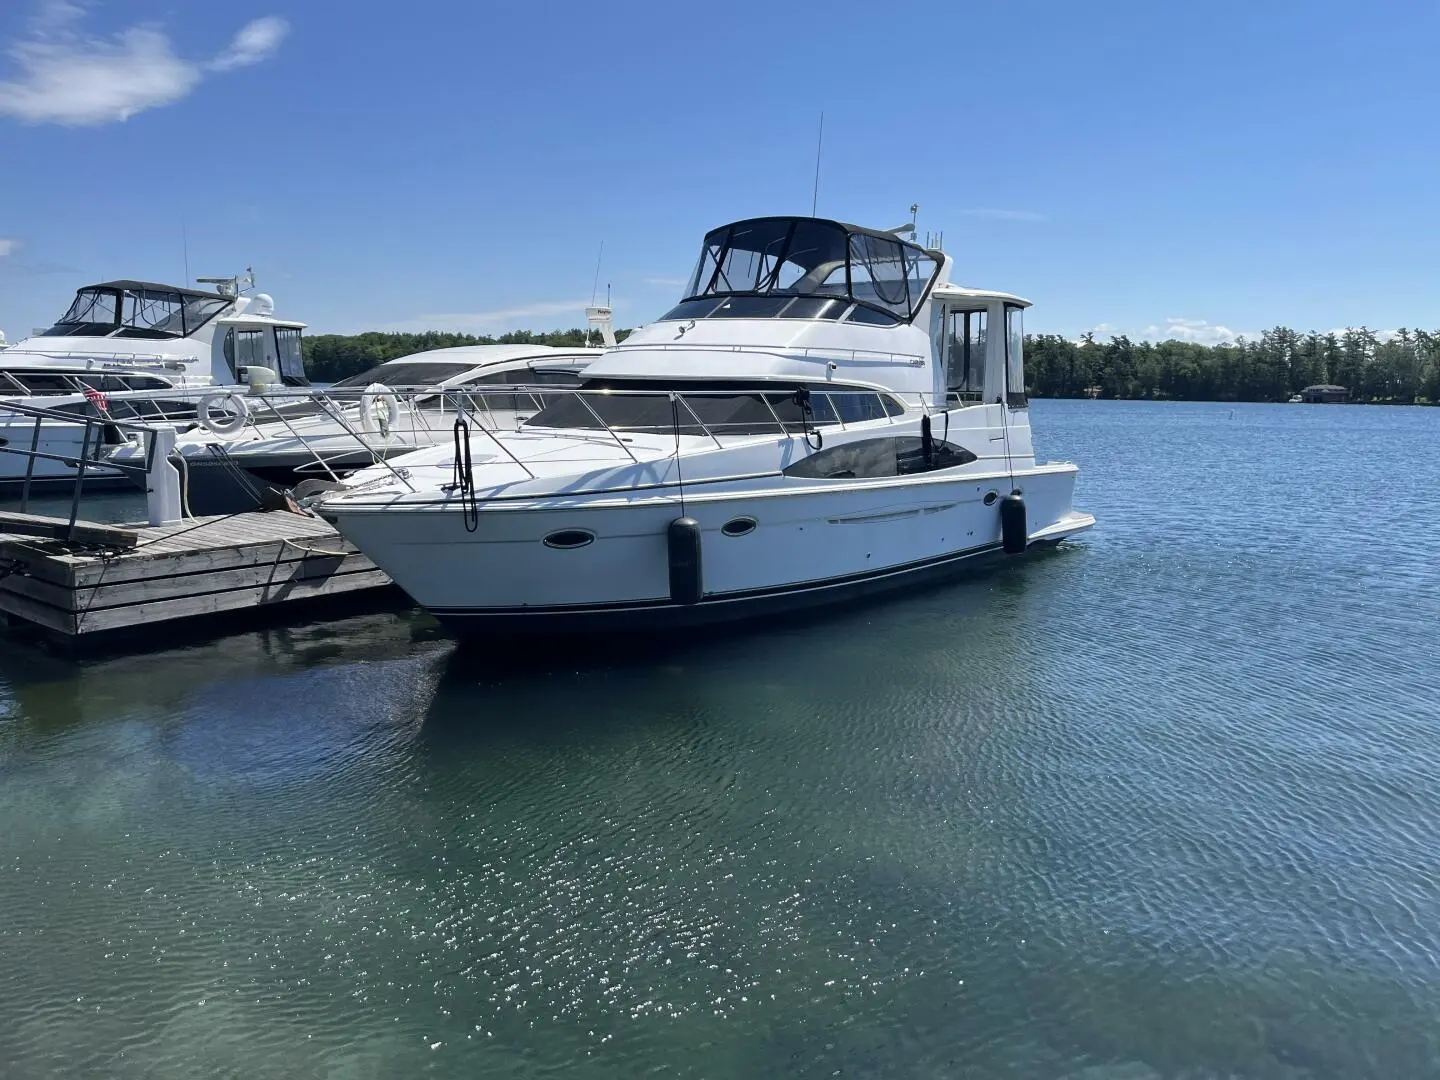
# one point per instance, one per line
(115, 578)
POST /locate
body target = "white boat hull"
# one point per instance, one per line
(60, 440)
(810, 545)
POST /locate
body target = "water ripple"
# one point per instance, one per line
(1161, 804)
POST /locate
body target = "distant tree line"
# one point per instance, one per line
(1401, 368)
(332, 357)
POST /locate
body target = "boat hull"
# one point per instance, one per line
(65, 441)
(801, 547)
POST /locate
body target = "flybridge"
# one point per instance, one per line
(807, 268)
(137, 309)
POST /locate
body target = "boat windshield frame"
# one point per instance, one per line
(137, 309)
(766, 267)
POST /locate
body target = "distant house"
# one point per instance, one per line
(1325, 395)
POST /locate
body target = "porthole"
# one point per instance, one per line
(990, 497)
(568, 539)
(739, 526)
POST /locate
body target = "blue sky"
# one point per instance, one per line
(1158, 169)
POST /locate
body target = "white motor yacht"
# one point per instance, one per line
(132, 350)
(248, 448)
(824, 415)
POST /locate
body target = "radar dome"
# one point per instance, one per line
(263, 304)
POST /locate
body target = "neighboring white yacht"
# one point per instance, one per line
(247, 449)
(822, 416)
(121, 337)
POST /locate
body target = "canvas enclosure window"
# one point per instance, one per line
(965, 344)
(250, 348)
(292, 362)
(1015, 357)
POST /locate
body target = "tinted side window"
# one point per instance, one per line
(863, 314)
(869, 458)
(37, 383)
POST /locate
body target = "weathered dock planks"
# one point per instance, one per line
(126, 577)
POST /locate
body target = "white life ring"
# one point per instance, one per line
(379, 410)
(223, 412)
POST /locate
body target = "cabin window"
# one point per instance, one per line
(814, 307)
(965, 355)
(872, 317)
(547, 377)
(418, 374)
(292, 361)
(719, 410)
(111, 384)
(1015, 357)
(496, 399)
(751, 307)
(153, 409)
(870, 458)
(36, 382)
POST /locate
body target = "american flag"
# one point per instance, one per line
(96, 398)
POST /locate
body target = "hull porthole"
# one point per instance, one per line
(990, 497)
(568, 539)
(739, 526)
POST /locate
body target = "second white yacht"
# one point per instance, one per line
(824, 415)
(248, 449)
(132, 350)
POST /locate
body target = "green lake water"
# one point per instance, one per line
(1161, 804)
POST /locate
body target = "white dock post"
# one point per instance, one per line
(162, 482)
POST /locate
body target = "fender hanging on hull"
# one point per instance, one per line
(687, 584)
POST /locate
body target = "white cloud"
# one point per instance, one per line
(8, 246)
(55, 15)
(1381, 336)
(255, 42)
(67, 78)
(1200, 331)
(1003, 215)
(670, 282)
(480, 322)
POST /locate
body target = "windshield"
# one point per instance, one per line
(768, 262)
(419, 373)
(138, 312)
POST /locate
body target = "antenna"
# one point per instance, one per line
(595, 289)
(819, 142)
(185, 247)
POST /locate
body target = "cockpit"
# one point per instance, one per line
(137, 309)
(807, 268)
